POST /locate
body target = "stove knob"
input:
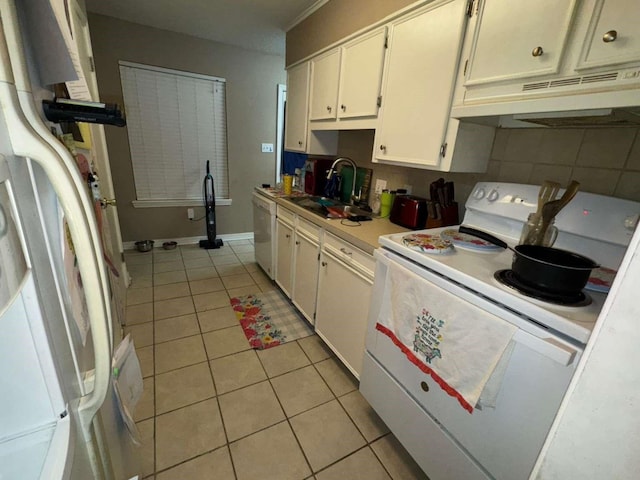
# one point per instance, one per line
(493, 195)
(479, 194)
(631, 221)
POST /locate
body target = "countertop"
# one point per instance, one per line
(363, 235)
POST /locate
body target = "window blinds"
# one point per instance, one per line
(176, 122)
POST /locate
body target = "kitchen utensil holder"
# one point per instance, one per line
(532, 233)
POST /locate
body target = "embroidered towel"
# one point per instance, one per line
(456, 343)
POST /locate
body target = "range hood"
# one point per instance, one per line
(609, 99)
(602, 117)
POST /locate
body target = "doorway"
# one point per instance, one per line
(280, 127)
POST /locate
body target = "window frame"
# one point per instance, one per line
(221, 174)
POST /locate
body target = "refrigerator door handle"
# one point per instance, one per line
(67, 183)
(18, 74)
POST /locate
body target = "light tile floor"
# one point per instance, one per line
(215, 409)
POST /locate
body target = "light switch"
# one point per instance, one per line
(267, 148)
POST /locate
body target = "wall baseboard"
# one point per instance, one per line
(229, 237)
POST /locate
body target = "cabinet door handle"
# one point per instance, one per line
(424, 386)
(297, 242)
(287, 235)
(300, 142)
(537, 52)
(343, 107)
(383, 147)
(610, 36)
(328, 109)
(346, 252)
(324, 264)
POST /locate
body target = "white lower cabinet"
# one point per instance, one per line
(344, 291)
(305, 267)
(284, 256)
(329, 281)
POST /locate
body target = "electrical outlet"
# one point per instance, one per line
(190, 213)
(267, 148)
(407, 188)
(380, 185)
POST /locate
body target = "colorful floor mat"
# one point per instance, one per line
(268, 319)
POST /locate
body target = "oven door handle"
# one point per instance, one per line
(549, 347)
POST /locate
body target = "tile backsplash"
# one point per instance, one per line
(604, 160)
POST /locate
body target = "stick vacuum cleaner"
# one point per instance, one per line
(210, 212)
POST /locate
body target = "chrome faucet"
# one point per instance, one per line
(352, 197)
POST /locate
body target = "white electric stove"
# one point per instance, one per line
(501, 442)
(596, 226)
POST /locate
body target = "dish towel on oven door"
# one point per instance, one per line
(459, 345)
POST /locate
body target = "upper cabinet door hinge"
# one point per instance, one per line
(93, 66)
(466, 64)
(386, 41)
(443, 150)
(470, 8)
(379, 103)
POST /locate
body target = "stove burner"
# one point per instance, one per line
(509, 279)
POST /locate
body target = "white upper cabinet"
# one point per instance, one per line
(361, 75)
(345, 83)
(297, 136)
(296, 115)
(324, 85)
(519, 39)
(525, 57)
(613, 37)
(414, 127)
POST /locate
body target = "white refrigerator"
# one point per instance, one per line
(59, 418)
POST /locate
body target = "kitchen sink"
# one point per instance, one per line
(329, 208)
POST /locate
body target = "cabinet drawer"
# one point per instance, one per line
(286, 216)
(310, 230)
(349, 254)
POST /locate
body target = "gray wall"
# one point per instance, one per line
(335, 20)
(252, 80)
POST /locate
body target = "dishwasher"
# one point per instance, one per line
(264, 227)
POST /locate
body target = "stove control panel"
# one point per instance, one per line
(479, 193)
(588, 215)
(493, 195)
